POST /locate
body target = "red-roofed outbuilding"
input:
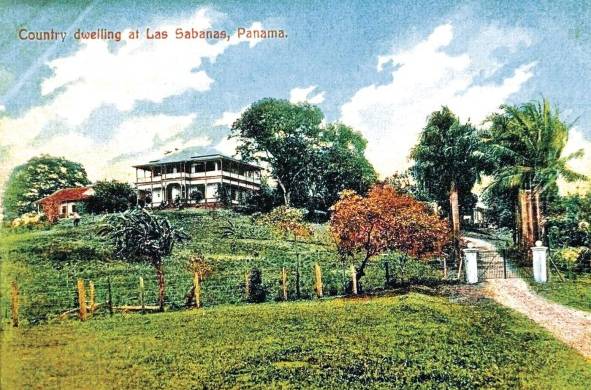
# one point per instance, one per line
(63, 203)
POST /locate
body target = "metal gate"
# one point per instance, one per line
(493, 265)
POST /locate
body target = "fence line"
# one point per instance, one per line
(304, 279)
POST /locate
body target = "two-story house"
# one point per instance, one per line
(177, 176)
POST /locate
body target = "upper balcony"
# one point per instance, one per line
(253, 177)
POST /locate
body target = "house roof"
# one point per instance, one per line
(192, 154)
(69, 194)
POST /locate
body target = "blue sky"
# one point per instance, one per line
(378, 66)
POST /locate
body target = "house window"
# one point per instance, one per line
(64, 209)
(74, 208)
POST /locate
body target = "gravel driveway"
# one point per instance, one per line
(571, 326)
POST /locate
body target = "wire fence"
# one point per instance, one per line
(290, 276)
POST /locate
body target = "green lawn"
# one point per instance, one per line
(572, 292)
(388, 342)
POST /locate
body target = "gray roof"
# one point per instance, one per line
(192, 154)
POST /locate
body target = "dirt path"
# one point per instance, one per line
(569, 325)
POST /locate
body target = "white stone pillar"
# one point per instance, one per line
(471, 256)
(539, 262)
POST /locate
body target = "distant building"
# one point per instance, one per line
(63, 203)
(195, 179)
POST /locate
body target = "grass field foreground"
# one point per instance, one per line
(406, 341)
(575, 293)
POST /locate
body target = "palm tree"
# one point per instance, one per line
(139, 236)
(527, 142)
(448, 160)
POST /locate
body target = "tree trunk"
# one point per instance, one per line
(455, 219)
(286, 194)
(526, 220)
(359, 274)
(160, 277)
(517, 236)
(539, 222)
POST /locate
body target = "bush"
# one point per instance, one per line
(287, 221)
(572, 260)
(256, 290)
(110, 197)
(28, 220)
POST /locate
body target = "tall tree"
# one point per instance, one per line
(340, 165)
(527, 143)
(448, 160)
(284, 136)
(311, 162)
(140, 236)
(37, 178)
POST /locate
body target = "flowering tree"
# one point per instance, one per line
(386, 220)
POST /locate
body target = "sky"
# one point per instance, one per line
(380, 67)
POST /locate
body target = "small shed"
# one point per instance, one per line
(63, 203)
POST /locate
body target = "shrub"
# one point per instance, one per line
(572, 259)
(28, 220)
(110, 197)
(256, 290)
(287, 221)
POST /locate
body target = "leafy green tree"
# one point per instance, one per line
(341, 165)
(110, 197)
(569, 221)
(311, 163)
(140, 236)
(282, 135)
(527, 144)
(447, 163)
(38, 178)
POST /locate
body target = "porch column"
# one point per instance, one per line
(471, 255)
(539, 262)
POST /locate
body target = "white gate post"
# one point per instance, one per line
(539, 262)
(471, 256)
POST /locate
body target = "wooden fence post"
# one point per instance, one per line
(298, 292)
(353, 280)
(15, 304)
(197, 287)
(284, 283)
(92, 300)
(81, 299)
(142, 295)
(110, 296)
(318, 280)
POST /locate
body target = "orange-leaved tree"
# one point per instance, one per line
(386, 220)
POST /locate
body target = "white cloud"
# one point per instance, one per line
(136, 135)
(227, 146)
(299, 95)
(576, 141)
(94, 76)
(228, 118)
(425, 77)
(139, 133)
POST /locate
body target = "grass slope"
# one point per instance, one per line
(46, 264)
(572, 292)
(410, 341)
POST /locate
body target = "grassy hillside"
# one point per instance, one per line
(46, 263)
(571, 292)
(389, 342)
